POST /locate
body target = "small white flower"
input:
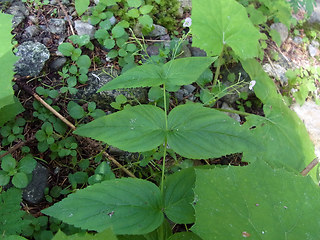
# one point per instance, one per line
(251, 84)
(293, 90)
(187, 22)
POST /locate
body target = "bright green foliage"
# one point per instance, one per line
(184, 236)
(11, 222)
(193, 131)
(105, 235)
(19, 172)
(280, 131)
(75, 110)
(176, 72)
(255, 201)
(178, 196)
(129, 206)
(135, 129)
(9, 105)
(81, 6)
(221, 23)
(197, 132)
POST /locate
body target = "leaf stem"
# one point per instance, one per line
(165, 142)
(216, 75)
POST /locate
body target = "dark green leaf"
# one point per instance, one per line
(66, 49)
(129, 206)
(81, 6)
(27, 164)
(178, 196)
(20, 180)
(257, 202)
(136, 129)
(8, 163)
(75, 110)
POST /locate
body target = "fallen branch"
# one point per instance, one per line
(308, 168)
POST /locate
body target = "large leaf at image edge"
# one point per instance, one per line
(255, 201)
(181, 71)
(135, 129)
(281, 132)
(7, 60)
(127, 205)
(220, 23)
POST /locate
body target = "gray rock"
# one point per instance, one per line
(313, 51)
(96, 79)
(113, 20)
(153, 50)
(33, 56)
(19, 12)
(84, 28)
(123, 155)
(197, 52)
(281, 29)
(315, 16)
(276, 71)
(32, 31)
(185, 52)
(57, 63)
(158, 31)
(34, 192)
(232, 115)
(57, 26)
(309, 113)
(34, 19)
(64, 2)
(185, 93)
(298, 40)
(184, 5)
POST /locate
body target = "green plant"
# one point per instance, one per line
(12, 131)
(301, 84)
(19, 173)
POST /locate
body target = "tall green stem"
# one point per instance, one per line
(217, 73)
(165, 142)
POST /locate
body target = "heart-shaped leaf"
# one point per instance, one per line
(127, 205)
(220, 23)
(255, 202)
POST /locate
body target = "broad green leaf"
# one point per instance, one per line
(257, 202)
(146, 9)
(27, 164)
(177, 72)
(75, 110)
(81, 6)
(8, 163)
(66, 49)
(281, 133)
(197, 132)
(105, 235)
(20, 180)
(221, 23)
(134, 3)
(7, 60)
(184, 236)
(145, 20)
(135, 129)
(84, 61)
(118, 31)
(134, 13)
(4, 178)
(147, 75)
(10, 111)
(178, 196)
(128, 206)
(184, 71)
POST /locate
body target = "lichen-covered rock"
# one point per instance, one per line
(19, 12)
(96, 79)
(57, 26)
(33, 56)
(84, 28)
(34, 192)
(158, 31)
